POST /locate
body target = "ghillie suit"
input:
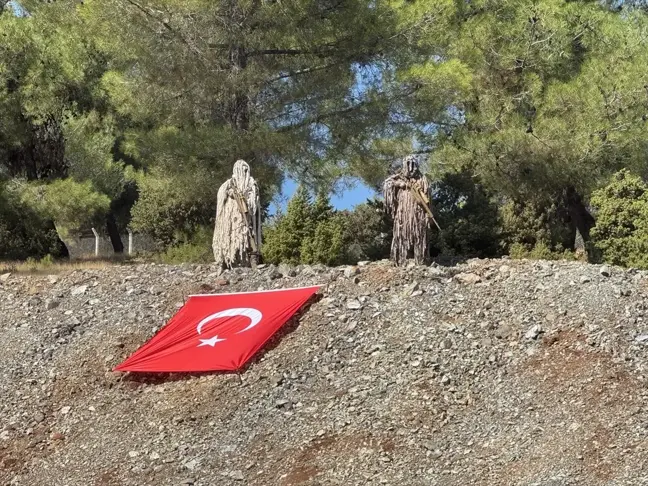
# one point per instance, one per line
(407, 203)
(237, 233)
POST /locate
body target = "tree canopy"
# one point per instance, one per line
(117, 113)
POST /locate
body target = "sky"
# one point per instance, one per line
(17, 9)
(347, 199)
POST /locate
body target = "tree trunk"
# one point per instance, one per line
(63, 250)
(238, 109)
(42, 156)
(113, 233)
(580, 218)
(235, 111)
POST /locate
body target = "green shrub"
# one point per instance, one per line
(469, 218)
(532, 229)
(47, 261)
(540, 251)
(369, 232)
(31, 264)
(309, 232)
(196, 249)
(186, 253)
(172, 210)
(621, 231)
(24, 232)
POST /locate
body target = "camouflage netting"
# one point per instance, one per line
(236, 231)
(410, 218)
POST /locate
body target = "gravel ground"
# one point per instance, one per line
(492, 372)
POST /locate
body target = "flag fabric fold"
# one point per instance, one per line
(217, 331)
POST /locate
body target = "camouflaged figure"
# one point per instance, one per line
(237, 232)
(407, 199)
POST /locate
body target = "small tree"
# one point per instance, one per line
(328, 244)
(282, 241)
(309, 232)
(621, 231)
(321, 210)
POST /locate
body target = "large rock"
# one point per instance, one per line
(468, 278)
(351, 271)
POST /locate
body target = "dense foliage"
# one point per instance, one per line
(130, 113)
(309, 232)
(369, 232)
(621, 231)
(468, 217)
(23, 232)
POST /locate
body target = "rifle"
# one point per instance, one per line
(423, 200)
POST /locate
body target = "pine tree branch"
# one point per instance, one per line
(168, 27)
(325, 116)
(289, 52)
(300, 72)
(309, 70)
(254, 8)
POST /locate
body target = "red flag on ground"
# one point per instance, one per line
(217, 331)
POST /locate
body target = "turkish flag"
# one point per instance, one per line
(217, 331)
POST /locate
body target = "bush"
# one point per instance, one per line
(24, 233)
(197, 249)
(186, 253)
(468, 217)
(621, 231)
(531, 229)
(309, 232)
(33, 265)
(172, 210)
(540, 251)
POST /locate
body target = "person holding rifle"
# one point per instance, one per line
(407, 201)
(237, 232)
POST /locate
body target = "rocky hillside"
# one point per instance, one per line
(487, 373)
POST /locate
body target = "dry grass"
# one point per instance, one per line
(48, 266)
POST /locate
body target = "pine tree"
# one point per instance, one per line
(543, 100)
(328, 244)
(283, 240)
(58, 126)
(207, 83)
(308, 233)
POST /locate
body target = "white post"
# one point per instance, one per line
(96, 235)
(130, 241)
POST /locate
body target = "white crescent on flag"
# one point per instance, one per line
(253, 314)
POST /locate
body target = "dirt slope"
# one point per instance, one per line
(488, 373)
